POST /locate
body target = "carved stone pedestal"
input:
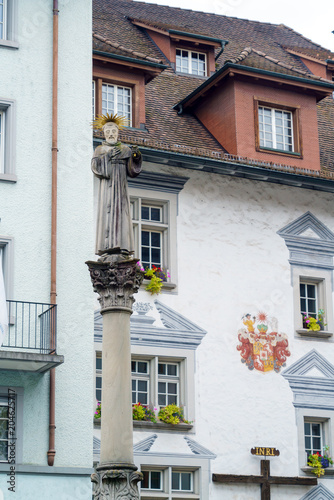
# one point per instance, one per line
(116, 483)
(116, 279)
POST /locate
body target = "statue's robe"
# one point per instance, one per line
(114, 232)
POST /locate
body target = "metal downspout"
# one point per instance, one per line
(53, 290)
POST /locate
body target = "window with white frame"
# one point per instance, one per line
(156, 381)
(276, 129)
(8, 23)
(3, 19)
(117, 99)
(313, 432)
(151, 229)
(170, 482)
(308, 298)
(6, 261)
(140, 381)
(168, 383)
(7, 140)
(188, 61)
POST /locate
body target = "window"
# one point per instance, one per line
(190, 62)
(311, 250)
(11, 424)
(152, 480)
(140, 382)
(275, 127)
(170, 482)
(7, 140)
(151, 230)
(313, 437)
(156, 390)
(8, 18)
(308, 299)
(6, 260)
(117, 99)
(181, 481)
(98, 378)
(168, 384)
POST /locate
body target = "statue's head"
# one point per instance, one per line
(110, 124)
(110, 130)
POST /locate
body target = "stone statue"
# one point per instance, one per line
(111, 163)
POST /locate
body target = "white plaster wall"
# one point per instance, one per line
(25, 211)
(230, 262)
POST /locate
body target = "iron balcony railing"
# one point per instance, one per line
(31, 326)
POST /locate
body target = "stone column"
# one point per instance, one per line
(116, 281)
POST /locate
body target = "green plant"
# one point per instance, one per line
(314, 461)
(97, 413)
(320, 462)
(172, 414)
(157, 276)
(315, 324)
(140, 412)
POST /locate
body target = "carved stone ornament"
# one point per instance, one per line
(115, 282)
(116, 484)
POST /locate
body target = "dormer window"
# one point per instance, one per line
(117, 99)
(188, 61)
(275, 127)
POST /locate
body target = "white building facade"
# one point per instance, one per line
(41, 336)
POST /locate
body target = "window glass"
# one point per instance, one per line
(116, 99)
(181, 481)
(308, 299)
(313, 438)
(275, 129)
(190, 62)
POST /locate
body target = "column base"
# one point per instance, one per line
(116, 482)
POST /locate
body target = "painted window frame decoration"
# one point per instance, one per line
(311, 251)
(277, 111)
(311, 380)
(152, 234)
(174, 343)
(160, 191)
(261, 346)
(184, 62)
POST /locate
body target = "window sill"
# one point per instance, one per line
(9, 44)
(161, 426)
(8, 178)
(319, 334)
(329, 471)
(166, 285)
(280, 152)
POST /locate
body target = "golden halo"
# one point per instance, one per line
(101, 120)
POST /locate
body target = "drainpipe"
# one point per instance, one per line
(223, 44)
(53, 293)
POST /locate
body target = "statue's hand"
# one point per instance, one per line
(114, 152)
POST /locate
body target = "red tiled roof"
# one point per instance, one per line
(267, 47)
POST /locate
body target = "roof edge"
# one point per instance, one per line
(129, 59)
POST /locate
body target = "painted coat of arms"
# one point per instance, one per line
(261, 346)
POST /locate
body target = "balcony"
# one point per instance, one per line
(30, 342)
